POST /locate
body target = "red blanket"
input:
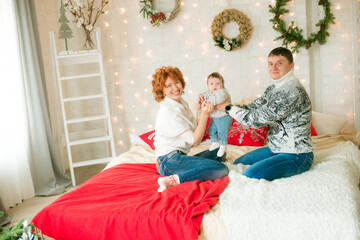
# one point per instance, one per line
(123, 203)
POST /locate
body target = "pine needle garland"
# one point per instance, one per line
(293, 35)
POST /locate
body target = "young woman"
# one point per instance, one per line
(177, 131)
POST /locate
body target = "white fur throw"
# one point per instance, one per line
(322, 203)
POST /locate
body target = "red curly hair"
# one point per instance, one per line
(159, 78)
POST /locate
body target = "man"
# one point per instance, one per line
(285, 108)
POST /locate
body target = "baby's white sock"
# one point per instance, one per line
(222, 150)
(166, 182)
(214, 146)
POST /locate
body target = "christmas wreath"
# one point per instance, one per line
(293, 35)
(226, 16)
(156, 16)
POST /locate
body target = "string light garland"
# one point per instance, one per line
(158, 17)
(293, 34)
(226, 16)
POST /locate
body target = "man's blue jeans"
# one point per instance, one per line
(190, 168)
(219, 129)
(268, 165)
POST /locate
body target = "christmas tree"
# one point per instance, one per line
(65, 31)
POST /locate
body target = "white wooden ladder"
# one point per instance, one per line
(86, 59)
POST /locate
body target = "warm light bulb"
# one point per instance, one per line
(179, 29)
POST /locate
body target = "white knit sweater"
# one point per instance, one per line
(174, 128)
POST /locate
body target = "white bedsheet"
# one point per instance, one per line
(322, 203)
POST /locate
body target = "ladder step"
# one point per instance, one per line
(90, 140)
(86, 119)
(92, 162)
(83, 98)
(79, 58)
(90, 75)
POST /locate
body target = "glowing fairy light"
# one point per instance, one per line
(179, 29)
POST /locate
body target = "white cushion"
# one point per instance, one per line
(327, 123)
(135, 139)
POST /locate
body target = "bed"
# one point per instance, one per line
(121, 202)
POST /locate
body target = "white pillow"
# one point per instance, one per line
(135, 139)
(327, 123)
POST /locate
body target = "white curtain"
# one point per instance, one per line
(28, 160)
(15, 178)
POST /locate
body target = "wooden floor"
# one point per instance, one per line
(30, 207)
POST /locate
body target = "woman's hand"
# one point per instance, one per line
(200, 99)
(222, 105)
(207, 107)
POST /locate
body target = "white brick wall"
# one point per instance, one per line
(133, 49)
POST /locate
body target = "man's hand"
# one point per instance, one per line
(222, 105)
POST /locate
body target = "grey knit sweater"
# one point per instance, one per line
(285, 108)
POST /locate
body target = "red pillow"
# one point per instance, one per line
(247, 137)
(206, 134)
(149, 138)
(313, 131)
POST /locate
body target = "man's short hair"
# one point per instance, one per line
(281, 51)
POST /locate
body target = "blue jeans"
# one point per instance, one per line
(219, 128)
(268, 165)
(190, 168)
